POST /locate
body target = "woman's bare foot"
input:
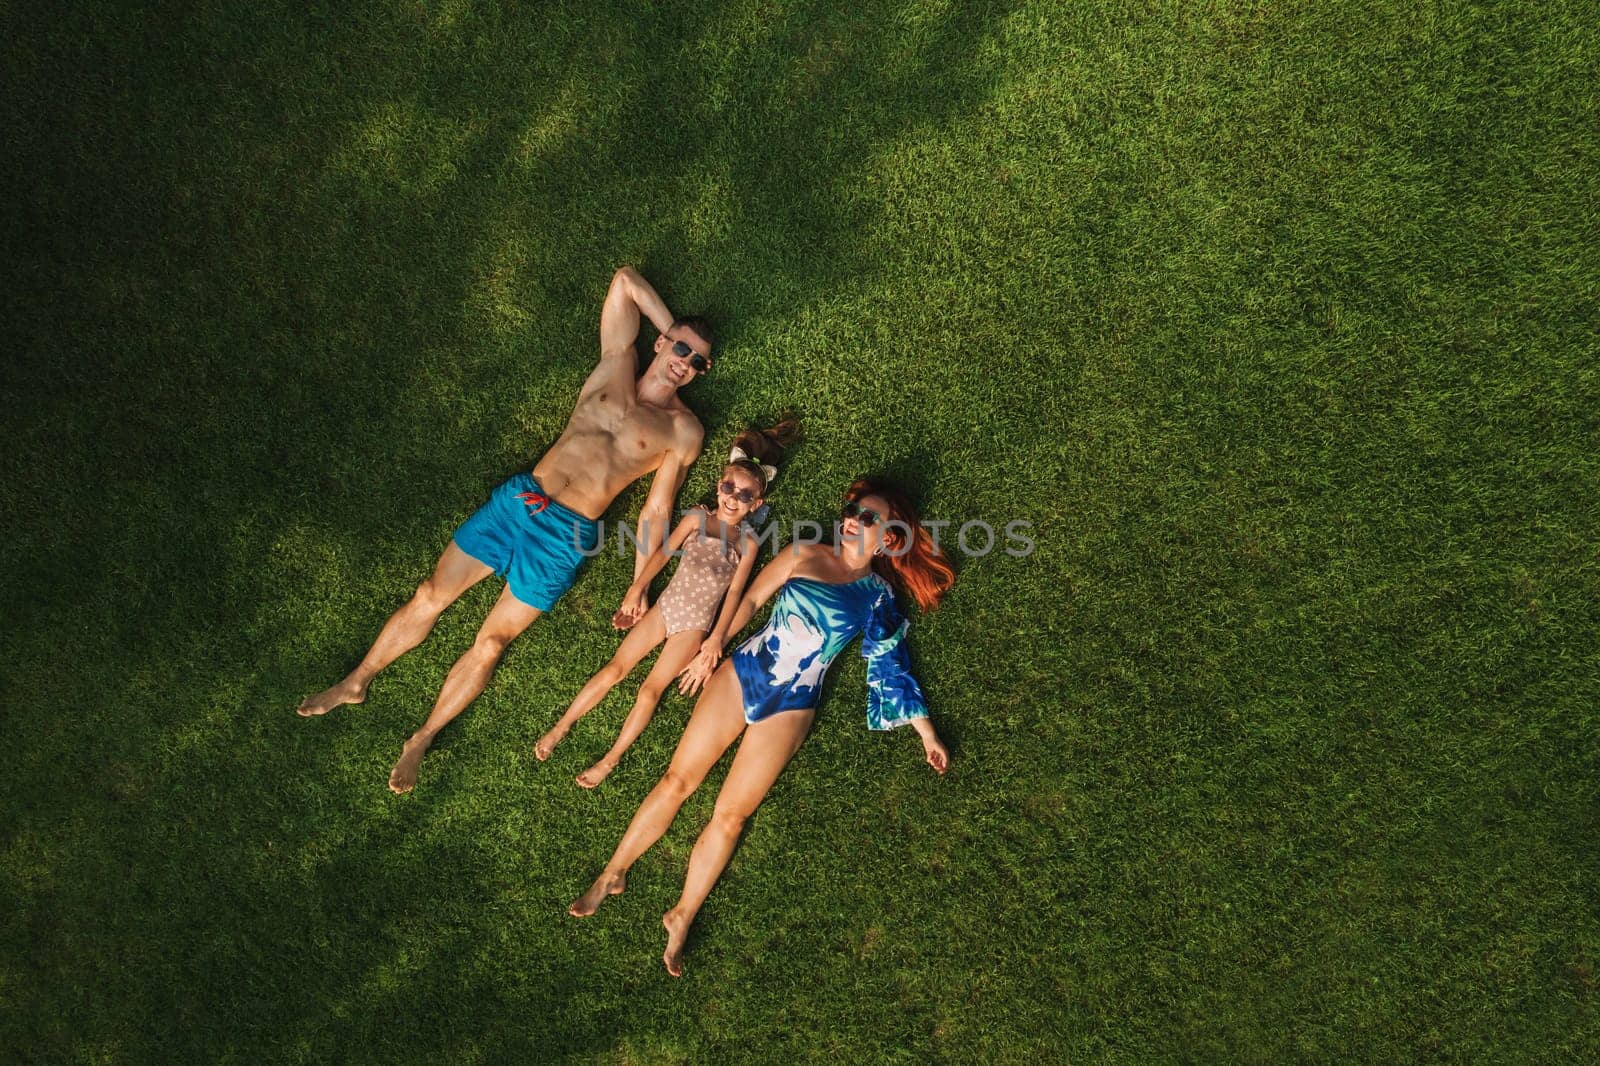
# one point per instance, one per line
(604, 885)
(329, 698)
(596, 773)
(677, 927)
(403, 778)
(548, 742)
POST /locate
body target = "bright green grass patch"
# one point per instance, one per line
(1278, 322)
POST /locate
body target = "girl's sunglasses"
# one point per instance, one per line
(728, 488)
(700, 363)
(865, 515)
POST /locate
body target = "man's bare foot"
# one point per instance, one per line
(329, 698)
(548, 742)
(596, 773)
(677, 927)
(604, 885)
(403, 778)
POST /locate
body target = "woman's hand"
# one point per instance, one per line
(695, 675)
(932, 746)
(633, 608)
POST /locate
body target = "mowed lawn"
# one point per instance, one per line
(1278, 322)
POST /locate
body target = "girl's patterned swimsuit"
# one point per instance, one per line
(691, 598)
(781, 668)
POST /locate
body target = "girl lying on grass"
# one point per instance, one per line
(719, 552)
(767, 690)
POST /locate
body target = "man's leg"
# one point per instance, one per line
(465, 681)
(454, 574)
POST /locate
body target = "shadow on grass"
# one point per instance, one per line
(300, 290)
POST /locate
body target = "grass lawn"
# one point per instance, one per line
(1278, 322)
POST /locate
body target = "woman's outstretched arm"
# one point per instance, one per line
(932, 747)
(893, 696)
(762, 589)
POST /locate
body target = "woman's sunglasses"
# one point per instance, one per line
(865, 515)
(700, 363)
(728, 488)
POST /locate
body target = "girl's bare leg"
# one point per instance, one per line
(455, 573)
(716, 723)
(680, 648)
(764, 752)
(645, 634)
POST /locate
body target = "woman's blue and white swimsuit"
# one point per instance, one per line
(781, 668)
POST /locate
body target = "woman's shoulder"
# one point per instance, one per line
(801, 552)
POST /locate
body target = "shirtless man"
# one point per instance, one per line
(535, 530)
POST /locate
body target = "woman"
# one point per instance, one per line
(718, 553)
(768, 687)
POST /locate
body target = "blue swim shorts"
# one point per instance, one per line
(532, 541)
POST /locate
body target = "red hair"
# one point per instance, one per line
(920, 570)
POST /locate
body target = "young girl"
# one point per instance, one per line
(719, 552)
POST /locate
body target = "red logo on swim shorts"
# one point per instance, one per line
(532, 498)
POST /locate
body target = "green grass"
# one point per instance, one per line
(1278, 321)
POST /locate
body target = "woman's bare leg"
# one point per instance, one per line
(716, 723)
(765, 751)
(645, 635)
(680, 648)
(454, 574)
(465, 681)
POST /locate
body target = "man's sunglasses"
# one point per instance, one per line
(728, 488)
(700, 363)
(865, 515)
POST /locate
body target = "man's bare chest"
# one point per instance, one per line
(633, 430)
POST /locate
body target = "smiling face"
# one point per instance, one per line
(875, 535)
(744, 482)
(672, 368)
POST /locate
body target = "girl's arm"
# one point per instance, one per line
(718, 636)
(633, 601)
(762, 589)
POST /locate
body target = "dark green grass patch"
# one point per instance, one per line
(1277, 322)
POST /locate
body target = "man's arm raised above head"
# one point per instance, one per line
(655, 517)
(629, 297)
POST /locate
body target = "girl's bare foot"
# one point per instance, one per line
(677, 927)
(548, 742)
(596, 773)
(604, 885)
(403, 778)
(329, 698)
